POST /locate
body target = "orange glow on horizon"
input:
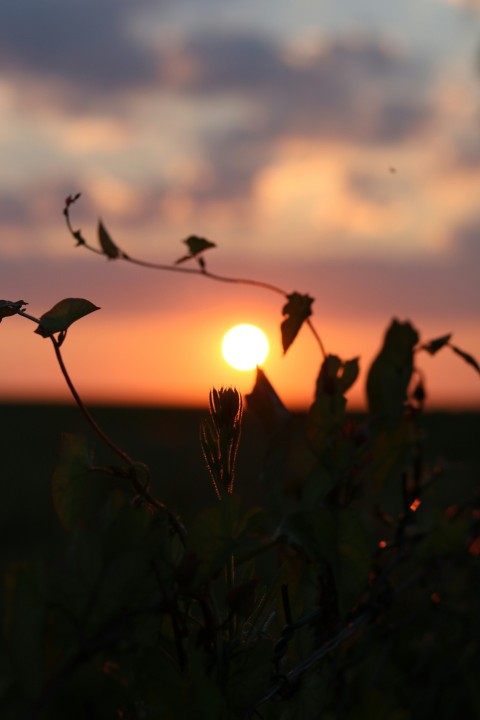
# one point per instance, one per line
(174, 358)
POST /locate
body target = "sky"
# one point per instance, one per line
(326, 148)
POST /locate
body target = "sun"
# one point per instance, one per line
(245, 346)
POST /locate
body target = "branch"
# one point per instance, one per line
(201, 270)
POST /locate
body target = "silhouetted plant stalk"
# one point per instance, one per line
(220, 437)
(136, 469)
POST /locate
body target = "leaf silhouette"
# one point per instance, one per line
(196, 245)
(390, 373)
(63, 314)
(433, 346)
(110, 249)
(467, 357)
(264, 402)
(8, 307)
(297, 309)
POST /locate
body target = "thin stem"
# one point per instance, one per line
(187, 271)
(139, 488)
(192, 271)
(97, 429)
(317, 338)
(137, 485)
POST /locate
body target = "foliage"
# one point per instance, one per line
(350, 593)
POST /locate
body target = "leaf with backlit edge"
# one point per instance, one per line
(297, 309)
(63, 314)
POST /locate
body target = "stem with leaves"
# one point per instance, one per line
(298, 306)
(140, 487)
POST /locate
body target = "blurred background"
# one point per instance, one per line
(329, 148)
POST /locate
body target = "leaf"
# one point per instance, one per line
(63, 314)
(77, 234)
(8, 307)
(70, 200)
(390, 373)
(297, 309)
(108, 246)
(467, 357)
(196, 245)
(336, 376)
(70, 478)
(264, 402)
(324, 417)
(349, 375)
(433, 346)
(354, 558)
(337, 538)
(221, 531)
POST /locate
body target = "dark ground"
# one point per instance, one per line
(168, 441)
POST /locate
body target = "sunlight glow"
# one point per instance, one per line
(245, 346)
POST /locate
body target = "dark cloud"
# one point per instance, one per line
(235, 159)
(14, 209)
(26, 209)
(80, 45)
(356, 91)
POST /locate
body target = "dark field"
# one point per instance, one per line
(168, 441)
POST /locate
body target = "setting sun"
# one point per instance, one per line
(245, 346)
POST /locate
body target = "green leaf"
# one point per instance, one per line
(354, 558)
(70, 478)
(7, 307)
(196, 245)
(467, 357)
(220, 532)
(297, 309)
(337, 538)
(109, 248)
(63, 314)
(433, 346)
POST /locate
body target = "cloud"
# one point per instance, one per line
(468, 4)
(465, 243)
(82, 46)
(355, 89)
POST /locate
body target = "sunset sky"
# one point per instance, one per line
(329, 148)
